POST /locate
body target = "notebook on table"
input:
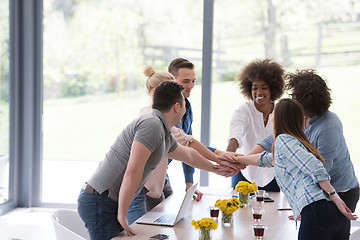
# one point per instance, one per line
(164, 219)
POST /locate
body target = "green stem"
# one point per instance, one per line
(205, 234)
(227, 218)
(243, 198)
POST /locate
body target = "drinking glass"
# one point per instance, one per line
(259, 230)
(257, 214)
(260, 196)
(214, 212)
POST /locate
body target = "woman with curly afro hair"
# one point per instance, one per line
(262, 82)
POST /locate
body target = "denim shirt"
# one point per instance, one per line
(325, 132)
(186, 126)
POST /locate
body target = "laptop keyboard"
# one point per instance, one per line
(165, 219)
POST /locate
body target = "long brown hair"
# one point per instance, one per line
(289, 119)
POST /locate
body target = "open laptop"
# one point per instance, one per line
(164, 219)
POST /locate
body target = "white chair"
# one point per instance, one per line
(68, 225)
(355, 235)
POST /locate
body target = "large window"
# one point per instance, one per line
(297, 34)
(94, 54)
(4, 101)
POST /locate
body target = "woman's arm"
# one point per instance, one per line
(326, 186)
(156, 181)
(232, 146)
(249, 159)
(204, 151)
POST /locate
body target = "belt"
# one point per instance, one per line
(89, 189)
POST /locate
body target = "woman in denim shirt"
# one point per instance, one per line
(303, 179)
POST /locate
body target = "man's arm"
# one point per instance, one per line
(138, 157)
(257, 149)
(193, 158)
(263, 145)
(220, 157)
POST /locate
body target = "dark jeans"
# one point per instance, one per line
(350, 197)
(270, 187)
(99, 214)
(321, 220)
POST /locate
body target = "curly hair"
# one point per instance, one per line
(310, 90)
(266, 70)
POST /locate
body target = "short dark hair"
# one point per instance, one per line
(166, 95)
(310, 90)
(266, 70)
(178, 63)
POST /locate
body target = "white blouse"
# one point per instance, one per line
(247, 127)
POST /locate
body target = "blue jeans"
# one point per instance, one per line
(321, 220)
(99, 214)
(137, 207)
(141, 204)
(270, 187)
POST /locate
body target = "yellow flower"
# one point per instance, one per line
(205, 223)
(228, 205)
(245, 187)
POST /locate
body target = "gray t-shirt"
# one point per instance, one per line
(150, 129)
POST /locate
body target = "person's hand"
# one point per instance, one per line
(226, 163)
(342, 207)
(124, 223)
(225, 171)
(238, 155)
(240, 166)
(240, 160)
(197, 195)
(228, 159)
(226, 156)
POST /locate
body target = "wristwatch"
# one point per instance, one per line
(329, 194)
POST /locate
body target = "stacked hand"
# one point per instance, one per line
(229, 164)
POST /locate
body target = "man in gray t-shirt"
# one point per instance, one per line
(105, 198)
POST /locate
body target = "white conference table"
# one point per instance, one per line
(278, 225)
